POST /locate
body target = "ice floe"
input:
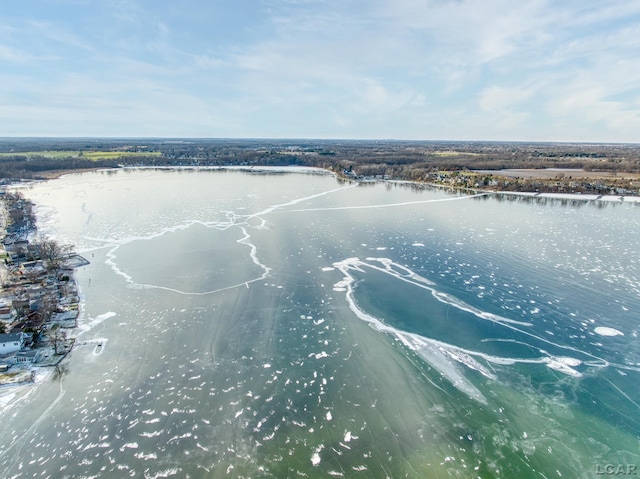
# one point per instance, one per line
(605, 331)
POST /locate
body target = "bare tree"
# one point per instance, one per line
(51, 252)
(57, 337)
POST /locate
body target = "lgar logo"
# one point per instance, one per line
(616, 470)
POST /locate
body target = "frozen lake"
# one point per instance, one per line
(269, 324)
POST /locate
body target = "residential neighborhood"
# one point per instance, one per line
(38, 294)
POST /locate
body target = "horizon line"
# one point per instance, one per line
(299, 139)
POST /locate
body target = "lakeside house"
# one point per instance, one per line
(7, 311)
(66, 319)
(12, 342)
(32, 268)
(31, 356)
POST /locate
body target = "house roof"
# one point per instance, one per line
(11, 337)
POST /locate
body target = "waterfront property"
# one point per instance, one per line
(12, 342)
(39, 294)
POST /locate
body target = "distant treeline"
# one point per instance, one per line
(412, 160)
(22, 168)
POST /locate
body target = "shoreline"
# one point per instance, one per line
(519, 180)
(571, 196)
(55, 174)
(40, 299)
(523, 194)
(533, 174)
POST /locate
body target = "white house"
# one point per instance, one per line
(7, 312)
(25, 357)
(10, 343)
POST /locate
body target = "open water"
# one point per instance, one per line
(269, 324)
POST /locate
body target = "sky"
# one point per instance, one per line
(525, 70)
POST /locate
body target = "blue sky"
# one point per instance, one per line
(529, 70)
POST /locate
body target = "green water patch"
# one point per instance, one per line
(414, 309)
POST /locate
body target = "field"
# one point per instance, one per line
(551, 173)
(45, 154)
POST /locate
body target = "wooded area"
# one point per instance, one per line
(406, 160)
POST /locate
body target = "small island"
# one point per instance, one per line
(39, 297)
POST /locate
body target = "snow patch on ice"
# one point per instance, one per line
(604, 331)
(564, 365)
(95, 321)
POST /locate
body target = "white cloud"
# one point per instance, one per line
(448, 69)
(374, 97)
(10, 54)
(499, 98)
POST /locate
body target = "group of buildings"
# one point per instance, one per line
(499, 181)
(38, 295)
